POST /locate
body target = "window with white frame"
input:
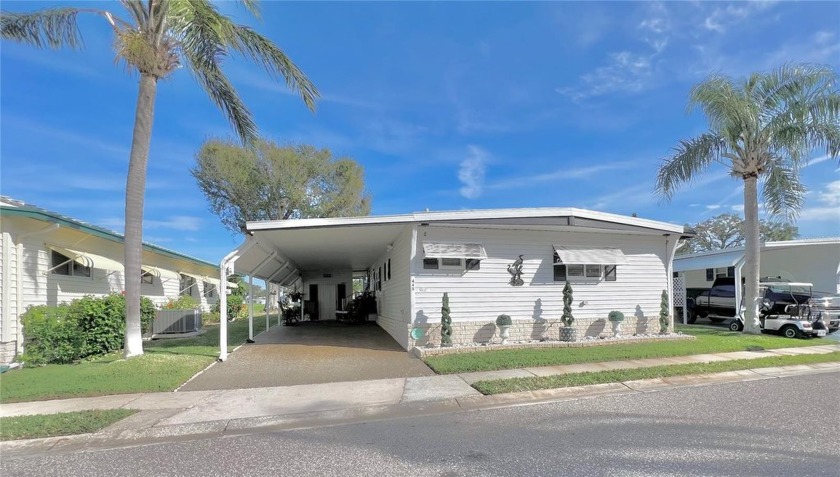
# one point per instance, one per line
(209, 289)
(146, 277)
(581, 272)
(64, 265)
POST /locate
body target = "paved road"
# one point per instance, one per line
(683, 431)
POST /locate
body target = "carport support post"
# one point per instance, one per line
(228, 262)
(250, 309)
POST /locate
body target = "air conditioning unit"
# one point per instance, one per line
(169, 322)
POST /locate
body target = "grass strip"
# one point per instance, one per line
(708, 340)
(63, 424)
(164, 366)
(512, 385)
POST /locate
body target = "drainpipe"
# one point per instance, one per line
(224, 265)
(250, 308)
(739, 289)
(19, 284)
(670, 277)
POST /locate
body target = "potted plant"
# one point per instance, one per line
(616, 318)
(567, 332)
(504, 322)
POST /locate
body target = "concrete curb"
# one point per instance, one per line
(126, 434)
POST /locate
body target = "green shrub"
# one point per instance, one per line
(184, 302)
(503, 320)
(616, 316)
(235, 307)
(50, 335)
(88, 326)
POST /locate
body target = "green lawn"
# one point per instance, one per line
(708, 340)
(498, 386)
(164, 366)
(63, 424)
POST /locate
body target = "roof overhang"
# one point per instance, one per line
(280, 251)
(715, 260)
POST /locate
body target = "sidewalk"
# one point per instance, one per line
(165, 416)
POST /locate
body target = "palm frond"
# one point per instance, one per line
(726, 107)
(138, 12)
(54, 28)
(783, 193)
(263, 51)
(690, 158)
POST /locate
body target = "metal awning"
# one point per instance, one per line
(723, 259)
(88, 259)
(590, 256)
(454, 250)
(197, 278)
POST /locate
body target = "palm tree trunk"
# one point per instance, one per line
(751, 255)
(135, 188)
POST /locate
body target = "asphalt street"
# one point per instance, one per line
(789, 428)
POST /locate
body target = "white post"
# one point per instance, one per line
(250, 308)
(226, 262)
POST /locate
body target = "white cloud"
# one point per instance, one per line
(560, 174)
(722, 18)
(828, 208)
(176, 222)
(472, 171)
(625, 72)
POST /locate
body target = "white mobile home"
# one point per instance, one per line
(490, 262)
(814, 261)
(47, 258)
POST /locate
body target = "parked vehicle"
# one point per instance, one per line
(718, 303)
(791, 320)
(826, 307)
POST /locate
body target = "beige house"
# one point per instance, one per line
(47, 259)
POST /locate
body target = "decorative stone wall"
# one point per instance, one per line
(471, 332)
(7, 352)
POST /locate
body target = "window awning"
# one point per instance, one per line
(88, 259)
(197, 278)
(590, 256)
(161, 273)
(454, 250)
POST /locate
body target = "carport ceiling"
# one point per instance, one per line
(349, 247)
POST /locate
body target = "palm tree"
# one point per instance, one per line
(762, 127)
(155, 38)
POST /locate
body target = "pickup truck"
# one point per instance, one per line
(718, 303)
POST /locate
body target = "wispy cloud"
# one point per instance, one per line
(828, 208)
(560, 174)
(176, 222)
(625, 72)
(472, 171)
(723, 18)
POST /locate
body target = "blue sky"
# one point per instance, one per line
(446, 105)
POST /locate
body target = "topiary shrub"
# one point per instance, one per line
(445, 323)
(664, 321)
(567, 317)
(616, 316)
(503, 320)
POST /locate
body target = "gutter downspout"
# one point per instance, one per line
(671, 274)
(739, 288)
(250, 308)
(228, 261)
(669, 278)
(19, 282)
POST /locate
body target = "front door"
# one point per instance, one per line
(326, 302)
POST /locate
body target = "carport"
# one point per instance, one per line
(284, 253)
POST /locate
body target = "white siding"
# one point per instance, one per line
(814, 263)
(481, 295)
(393, 301)
(331, 282)
(40, 287)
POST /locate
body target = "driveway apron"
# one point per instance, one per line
(312, 352)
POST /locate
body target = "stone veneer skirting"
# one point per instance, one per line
(470, 332)
(423, 352)
(7, 352)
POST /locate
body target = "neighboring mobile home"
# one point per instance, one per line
(47, 259)
(409, 261)
(815, 261)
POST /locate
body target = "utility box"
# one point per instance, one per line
(169, 322)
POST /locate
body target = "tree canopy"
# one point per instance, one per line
(278, 182)
(727, 230)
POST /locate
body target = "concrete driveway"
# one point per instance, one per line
(312, 353)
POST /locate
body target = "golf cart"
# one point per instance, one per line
(785, 309)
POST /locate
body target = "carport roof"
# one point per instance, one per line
(274, 250)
